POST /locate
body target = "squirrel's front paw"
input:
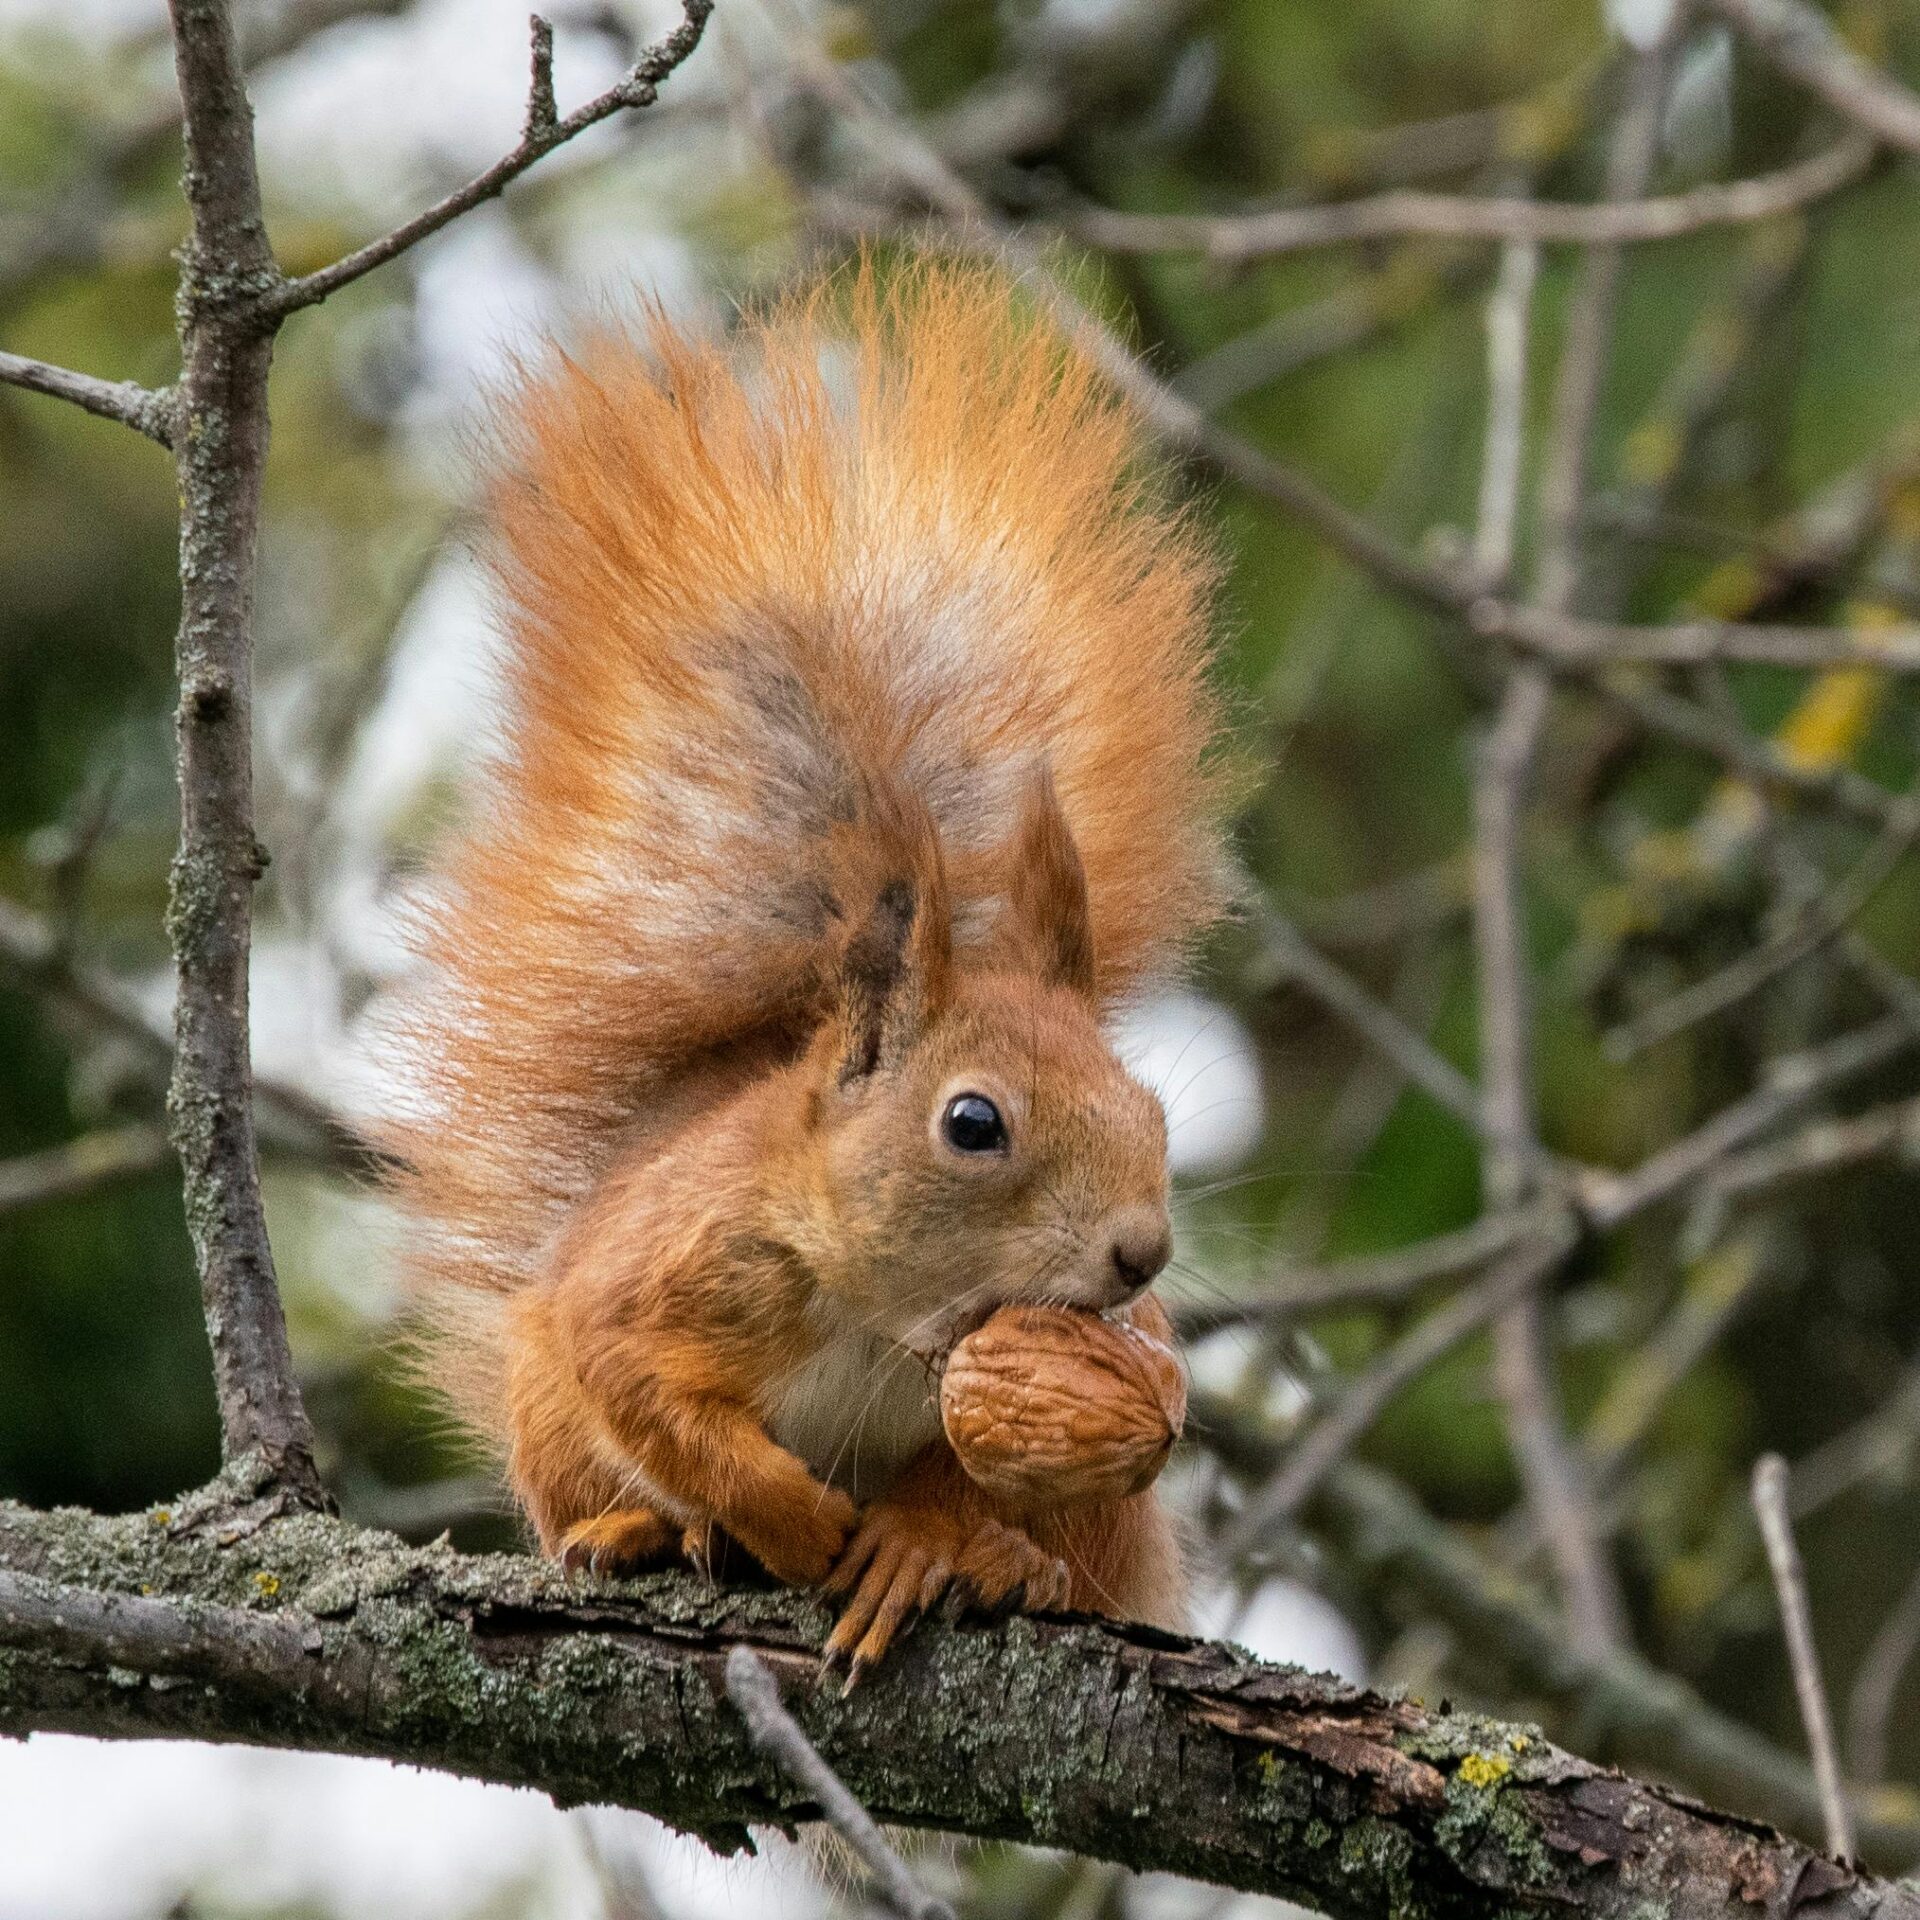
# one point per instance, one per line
(897, 1565)
(800, 1547)
(903, 1559)
(1001, 1570)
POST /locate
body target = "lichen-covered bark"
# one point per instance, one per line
(219, 437)
(232, 1618)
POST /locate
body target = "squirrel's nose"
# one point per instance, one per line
(1140, 1242)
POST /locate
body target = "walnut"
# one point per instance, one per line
(1048, 1407)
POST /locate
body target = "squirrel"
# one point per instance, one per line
(856, 758)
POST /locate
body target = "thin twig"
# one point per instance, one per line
(1790, 1583)
(292, 1121)
(147, 410)
(1882, 1443)
(638, 87)
(1785, 1086)
(1876, 1685)
(1550, 1467)
(1380, 1280)
(1819, 922)
(1288, 955)
(1509, 328)
(1509, 220)
(1409, 288)
(1800, 41)
(84, 1166)
(1716, 1289)
(1367, 1396)
(777, 1734)
(1826, 1145)
(1567, 641)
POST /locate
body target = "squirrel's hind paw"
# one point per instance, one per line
(627, 1540)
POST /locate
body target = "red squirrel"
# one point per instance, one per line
(856, 760)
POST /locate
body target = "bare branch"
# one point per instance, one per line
(145, 409)
(1629, 1708)
(1824, 1146)
(1801, 42)
(1689, 724)
(542, 113)
(83, 1166)
(1550, 1471)
(1509, 327)
(221, 447)
(1881, 1444)
(292, 1121)
(1509, 220)
(1379, 1281)
(1371, 306)
(1790, 1583)
(638, 87)
(1567, 641)
(777, 1734)
(1288, 955)
(1785, 1086)
(1820, 921)
(1365, 1398)
(1876, 1685)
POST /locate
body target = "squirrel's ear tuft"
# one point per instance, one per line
(896, 965)
(1048, 925)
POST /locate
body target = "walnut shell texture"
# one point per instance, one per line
(1049, 1407)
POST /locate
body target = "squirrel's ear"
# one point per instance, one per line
(1048, 924)
(896, 965)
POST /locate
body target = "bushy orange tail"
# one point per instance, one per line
(892, 532)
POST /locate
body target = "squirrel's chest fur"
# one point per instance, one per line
(856, 1411)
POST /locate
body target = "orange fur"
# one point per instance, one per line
(856, 748)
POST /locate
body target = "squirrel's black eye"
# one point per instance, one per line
(972, 1124)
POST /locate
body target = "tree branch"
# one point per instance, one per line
(221, 450)
(144, 409)
(1626, 1709)
(1801, 42)
(1796, 1621)
(1551, 1471)
(1233, 239)
(1124, 1744)
(80, 1167)
(1366, 1397)
(778, 1735)
(292, 1121)
(543, 132)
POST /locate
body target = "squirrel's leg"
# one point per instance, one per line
(706, 1454)
(585, 1514)
(1124, 1558)
(933, 1530)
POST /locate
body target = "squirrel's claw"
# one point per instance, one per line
(902, 1580)
(897, 1565)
